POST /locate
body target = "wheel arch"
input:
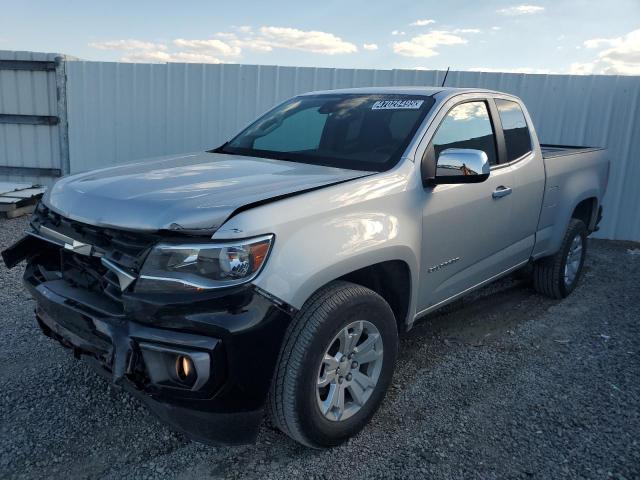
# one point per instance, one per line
(586, 210)
(586, 203)
(370, 270)
(392, 281)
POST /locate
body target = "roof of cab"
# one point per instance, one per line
(429, 91)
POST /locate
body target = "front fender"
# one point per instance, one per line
(296, 274)
(322, 235)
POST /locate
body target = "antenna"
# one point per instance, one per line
(445, 76)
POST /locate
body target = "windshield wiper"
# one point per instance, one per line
(252, 153)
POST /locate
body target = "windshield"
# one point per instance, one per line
(356, 131)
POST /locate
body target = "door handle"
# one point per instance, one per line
(501, 192)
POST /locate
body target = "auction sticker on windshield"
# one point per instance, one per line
(397, 105)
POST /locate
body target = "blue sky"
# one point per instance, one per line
(562, 36)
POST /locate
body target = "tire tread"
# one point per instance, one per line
(547, 272)
(299, 335)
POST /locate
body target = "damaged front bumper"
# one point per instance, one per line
(202, 362)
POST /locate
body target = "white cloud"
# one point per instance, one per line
(227, 36)
(626, 51)
(256, 45)
(422, 23)
(127, 45)
(231, 45)
(425, 45)
(517, 10)
(468, 111)
(370, 46)
(582, 68)
(397, 32)
(151, 56)
(621, 58)
(495, 29)
(213, 46)
(270, 37)
(510, 70)
(467, 30)
(601, 42)
(310, 41)
(250, 42)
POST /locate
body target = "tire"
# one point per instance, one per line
(296, 404)
(549, 273)
(524, 274)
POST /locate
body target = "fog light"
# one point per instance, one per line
(184, 367)
(176, 368)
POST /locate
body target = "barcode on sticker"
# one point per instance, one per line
(397, 105)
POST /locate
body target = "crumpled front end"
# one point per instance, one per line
(201, 361)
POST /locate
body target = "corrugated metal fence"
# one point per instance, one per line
(33, 143)
(119, 112)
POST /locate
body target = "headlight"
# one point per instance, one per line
(196, 267)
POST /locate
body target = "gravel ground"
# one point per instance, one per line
(505, 384)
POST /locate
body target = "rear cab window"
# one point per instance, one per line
(514, 125)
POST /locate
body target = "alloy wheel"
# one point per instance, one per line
(573, 260)
(349, 370)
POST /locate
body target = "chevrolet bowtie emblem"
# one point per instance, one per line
(124, 278)
(79, 247)
(68, 242)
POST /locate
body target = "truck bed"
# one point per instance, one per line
(573, 174)
(551, 151)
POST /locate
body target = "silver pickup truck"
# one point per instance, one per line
(276, 272)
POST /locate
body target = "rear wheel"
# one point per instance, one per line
(335, 366)
(558, 275)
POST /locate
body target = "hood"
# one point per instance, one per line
(195, 192)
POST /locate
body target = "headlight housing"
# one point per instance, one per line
(195, 267)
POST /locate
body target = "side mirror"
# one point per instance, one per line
(461, 165)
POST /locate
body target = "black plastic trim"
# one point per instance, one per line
(501, 144)
(243, 330)
(19, 251)
(32, 65)
(28, 119)
(35, 171)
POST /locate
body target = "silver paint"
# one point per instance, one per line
(328, 232)
(325, 234)
(124, 278)
(187, 192)
(349, 370)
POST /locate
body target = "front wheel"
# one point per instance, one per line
(335, 366)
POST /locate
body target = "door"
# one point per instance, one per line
(528, 175)
(466, 227)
